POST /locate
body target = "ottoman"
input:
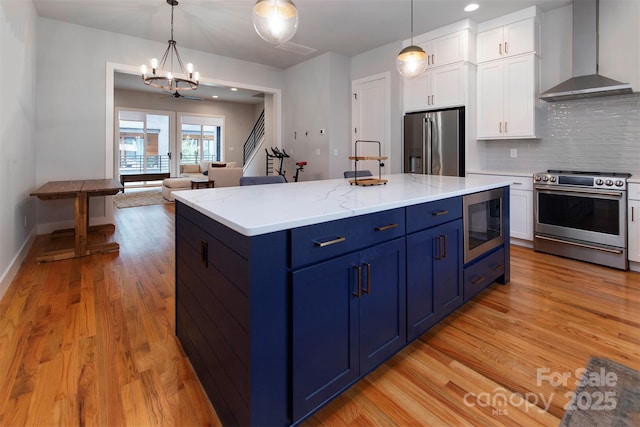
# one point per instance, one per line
(170, 185)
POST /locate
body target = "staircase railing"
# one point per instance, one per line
(254, 139)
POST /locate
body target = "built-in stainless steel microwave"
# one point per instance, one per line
(483, 215)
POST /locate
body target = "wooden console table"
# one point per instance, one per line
(81, 191)
(135, 177)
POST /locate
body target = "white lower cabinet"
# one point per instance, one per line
(633, 229)
(521, 214)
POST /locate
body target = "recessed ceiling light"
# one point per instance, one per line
(471, 7)
(214, 96)
(234, 89)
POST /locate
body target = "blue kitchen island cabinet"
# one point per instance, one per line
(348, 317)
(286, 298)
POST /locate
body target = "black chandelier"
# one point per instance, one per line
(165, 79)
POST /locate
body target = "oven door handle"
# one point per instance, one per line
(581, 245)
(578, 191)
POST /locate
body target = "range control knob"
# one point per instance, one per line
(609, 182)
(552, 179)
(545, 178)
(537, 178)
(599, 181)
(619, 183)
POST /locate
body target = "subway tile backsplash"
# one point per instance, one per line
(598, 134)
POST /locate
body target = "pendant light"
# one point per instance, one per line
(412, 60)
(276, 21)
(162, 74)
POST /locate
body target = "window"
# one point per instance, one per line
(201, 139)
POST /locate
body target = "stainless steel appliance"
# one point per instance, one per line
(582, 215)
(483, 216)
(434, 142)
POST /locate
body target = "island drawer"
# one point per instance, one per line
(430, 214)
(319, 242)
(481, 274)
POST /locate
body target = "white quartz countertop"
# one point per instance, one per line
(260, 209)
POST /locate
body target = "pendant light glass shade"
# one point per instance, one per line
(276, 21)
(412, 61)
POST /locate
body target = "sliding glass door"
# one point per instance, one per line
(144, 142)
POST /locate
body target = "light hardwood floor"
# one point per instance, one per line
(91, 342)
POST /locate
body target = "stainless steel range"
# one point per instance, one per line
(582, 215)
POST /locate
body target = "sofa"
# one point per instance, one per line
(223, 175)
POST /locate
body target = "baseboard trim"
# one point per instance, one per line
(10, 273)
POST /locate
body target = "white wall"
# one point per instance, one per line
(71, 99)
(239, 118)
(17, 134)
(316, 92)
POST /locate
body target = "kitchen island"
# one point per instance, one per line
(287, 294)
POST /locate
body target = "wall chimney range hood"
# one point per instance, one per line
(586, 82)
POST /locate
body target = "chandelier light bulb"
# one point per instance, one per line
(143, 69)
(190, 67)
(276, 21)
(169, 76)
(154, 63)
(196, 76)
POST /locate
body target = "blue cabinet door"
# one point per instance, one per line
(382, 303)
(325, 332)
(434, 276)
(447, 268)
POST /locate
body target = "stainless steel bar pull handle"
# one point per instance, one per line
(338, 239)
(477, 280)
(500, 49)
(359, 293)
(386, 227)
(446, 245)
(500, 127)
(505, 128)
(368, 290)
(632, 212)
(204, 253)
(506, 48)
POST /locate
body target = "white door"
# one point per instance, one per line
(370, 115)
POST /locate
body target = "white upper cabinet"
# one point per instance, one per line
(506, 98)
(508, 40)
(447, 49)
(446, 81)
(436, 88)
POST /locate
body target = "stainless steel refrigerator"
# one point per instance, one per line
(434, 142)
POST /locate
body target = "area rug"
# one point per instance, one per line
(608, 394)
(139, 198)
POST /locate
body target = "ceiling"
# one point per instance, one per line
(224, 27)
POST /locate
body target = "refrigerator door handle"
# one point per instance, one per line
(426, 146)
